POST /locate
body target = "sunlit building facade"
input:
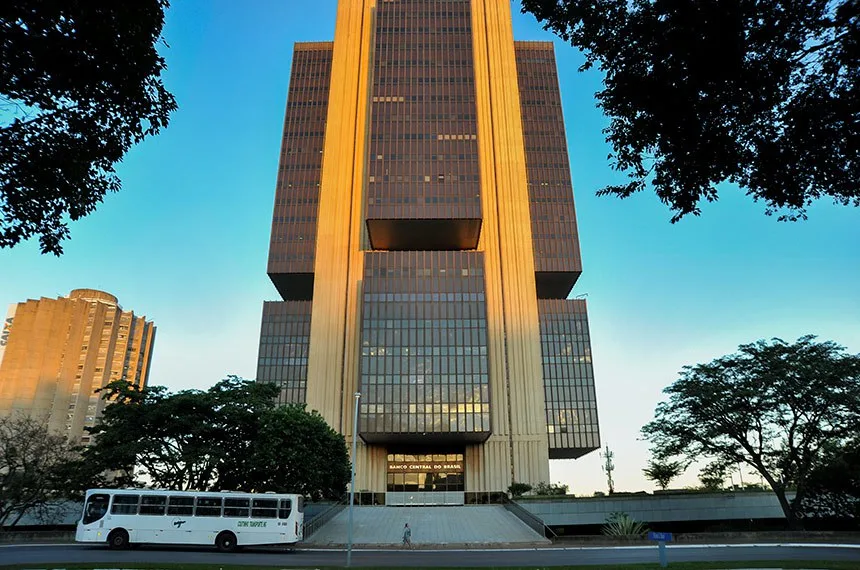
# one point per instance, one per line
(54, 354)
(424, 244)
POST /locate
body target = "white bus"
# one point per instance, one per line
(227, 520)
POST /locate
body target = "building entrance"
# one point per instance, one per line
(415, 479)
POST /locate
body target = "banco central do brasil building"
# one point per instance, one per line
(424, 244)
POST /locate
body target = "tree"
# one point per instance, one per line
(80, 83)
(229, 437)
(32, 462)
(713, 476)
(759, 93)
(833, 488)
(662, 472)
(297, 452)
(773, 406)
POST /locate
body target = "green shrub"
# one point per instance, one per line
(622, 524)
(519, 489)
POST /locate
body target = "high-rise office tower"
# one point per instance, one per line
(424, 243)
(55, 352)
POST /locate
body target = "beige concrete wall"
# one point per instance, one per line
(60, 350)
(518, 448)
(517, 388)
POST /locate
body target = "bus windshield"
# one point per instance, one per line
(95, 508)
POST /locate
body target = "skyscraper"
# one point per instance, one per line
(55, 352)
(424, 243)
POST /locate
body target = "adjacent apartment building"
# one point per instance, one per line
(54, 353)
(424, 244)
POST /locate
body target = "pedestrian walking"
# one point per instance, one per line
(407, 536)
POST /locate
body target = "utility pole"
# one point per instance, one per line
(608, 467)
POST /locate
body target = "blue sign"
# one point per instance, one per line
(660, 536)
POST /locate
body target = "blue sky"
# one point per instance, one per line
(185, 241)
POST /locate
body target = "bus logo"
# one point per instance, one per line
(178, 524)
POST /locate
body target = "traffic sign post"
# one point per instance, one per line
(662, 538)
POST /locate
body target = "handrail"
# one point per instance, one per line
(532, 520)
(313, 525)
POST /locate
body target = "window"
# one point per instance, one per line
(286, 509)
(208, 507)
(125, 504)
(181, 506)
(96, 508)
(236, 507)
(152, 504)
(264, 509)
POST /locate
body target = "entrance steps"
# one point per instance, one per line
(462, 525)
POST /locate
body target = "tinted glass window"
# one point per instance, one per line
(181, 506)
(264, 509)
(152, 504)
(237, 507)
(95, 508)
(286, 508)
(208, 507)
(124, 504)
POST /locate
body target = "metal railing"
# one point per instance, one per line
(529, 518)
(316, 523)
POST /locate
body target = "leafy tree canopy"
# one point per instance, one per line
(773, 405)
(80, 83)
(760, 93)
(662, 472)
(32, 466)
(230, 437)
(834, 484)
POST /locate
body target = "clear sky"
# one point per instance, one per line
(185, 241)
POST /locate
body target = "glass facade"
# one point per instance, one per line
(284, 344)
(423, 371)
(568, 375)
(294, 221)
(429, 472)
(423, 185)
(553, 216)
(399, 304)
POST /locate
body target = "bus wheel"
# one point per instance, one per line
(226, 542)
(118, 539)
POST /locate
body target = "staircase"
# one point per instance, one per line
(463, 525)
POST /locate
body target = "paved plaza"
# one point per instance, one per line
(472, 525)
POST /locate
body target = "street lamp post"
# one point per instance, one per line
(352, 482)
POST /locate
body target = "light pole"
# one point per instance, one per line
(352, 482)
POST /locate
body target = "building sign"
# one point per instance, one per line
(6, 329)
(425, 466)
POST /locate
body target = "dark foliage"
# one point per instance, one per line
(33, 467)
(662, 472)
(761, 93)
(775, 406)
(230, 437)
(833, 487)
(80, 83)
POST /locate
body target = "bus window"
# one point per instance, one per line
(237, 507)
(300, 502)
(181, 506)
(152, 504)
(208, 507)
(95, 508)
(124, 504)
(264, 509)
(286, 507)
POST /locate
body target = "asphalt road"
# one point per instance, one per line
(540, 557)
